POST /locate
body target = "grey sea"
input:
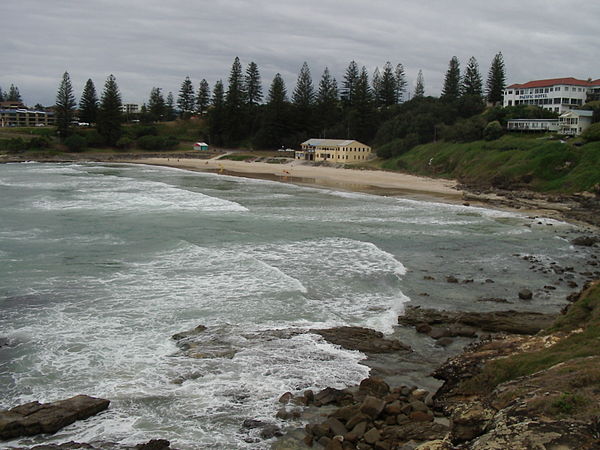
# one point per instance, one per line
(101, 264)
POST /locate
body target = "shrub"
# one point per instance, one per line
(493, 131)
(94, 139)
(170, 142)
(124, 143)
(38, 142)
(149, 142)
(398, 147)
(75, 143)
(592, 134)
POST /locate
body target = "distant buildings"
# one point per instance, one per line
(15, 114)
(556, 94)
(333, 150)
(570, 123)
(130, 108)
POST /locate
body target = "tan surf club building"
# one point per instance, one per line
(333, 150)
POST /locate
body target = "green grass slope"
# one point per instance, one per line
(510, 162)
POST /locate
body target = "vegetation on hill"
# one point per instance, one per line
(540, 164)
(582, 321)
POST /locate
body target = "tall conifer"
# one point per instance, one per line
(65, 106)
(349, 83)
(203, 98)
(253, 85)
(109, 113)
(420, 86)
(186, 101)
(472, 84)
(388, 85)
(401, 83)
(88, 104)
(451, 88)
(496, 81)
(157, 108)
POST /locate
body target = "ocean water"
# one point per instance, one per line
(101, 264)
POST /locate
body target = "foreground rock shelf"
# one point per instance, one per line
(35, 418)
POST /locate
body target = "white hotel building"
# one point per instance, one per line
(557, 94)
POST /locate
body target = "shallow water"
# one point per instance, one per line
(101, 264)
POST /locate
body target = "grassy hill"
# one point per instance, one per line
(535, 163)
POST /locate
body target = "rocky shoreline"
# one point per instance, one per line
(375, 415)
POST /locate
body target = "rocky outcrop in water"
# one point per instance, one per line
(35, 418)
(362, 339)
(448, 324)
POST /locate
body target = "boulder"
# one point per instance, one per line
(186, 334)
(585, 241)
(154, 444)
(469, 420)
(525, 294)
(372, 406)
(375, 386)
(35, 418)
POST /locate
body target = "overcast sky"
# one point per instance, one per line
(147, 43)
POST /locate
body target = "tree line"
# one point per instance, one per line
(238, 113)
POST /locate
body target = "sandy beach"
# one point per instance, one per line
(372, 181)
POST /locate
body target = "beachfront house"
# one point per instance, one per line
(201, 146)
(543, 125)
(333, 150)
(574, 122)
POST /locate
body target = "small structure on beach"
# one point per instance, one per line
(333, 150)
(202, 146)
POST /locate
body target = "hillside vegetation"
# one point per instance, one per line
(539, 164)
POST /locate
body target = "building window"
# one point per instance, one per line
(566, 88)
(558, 89)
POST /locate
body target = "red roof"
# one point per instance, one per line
(553, 82)
(596, 82)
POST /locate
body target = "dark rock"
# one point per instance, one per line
(253, 423)
(428, 277)
(361, 339)
(518, 322)
(493, 299)
(155, 444)
(423, 328)
(287, 414)
(444, 342)
(346, 413)
(525, 294)
(585, 241)
(372, 406)
(34, 418)
(199, 329)
(357, 432)
(372, 436)
(270, 431)
(375, 386)
(336, 427)
(355, 420)
(421, 416)
(332, 395)
(286, 398)
(451, 279)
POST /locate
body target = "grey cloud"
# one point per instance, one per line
(157, 43)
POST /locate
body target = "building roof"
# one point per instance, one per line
(578, 112)
(552, 82)
(329, 142)
(596, 82)
(532, 120)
